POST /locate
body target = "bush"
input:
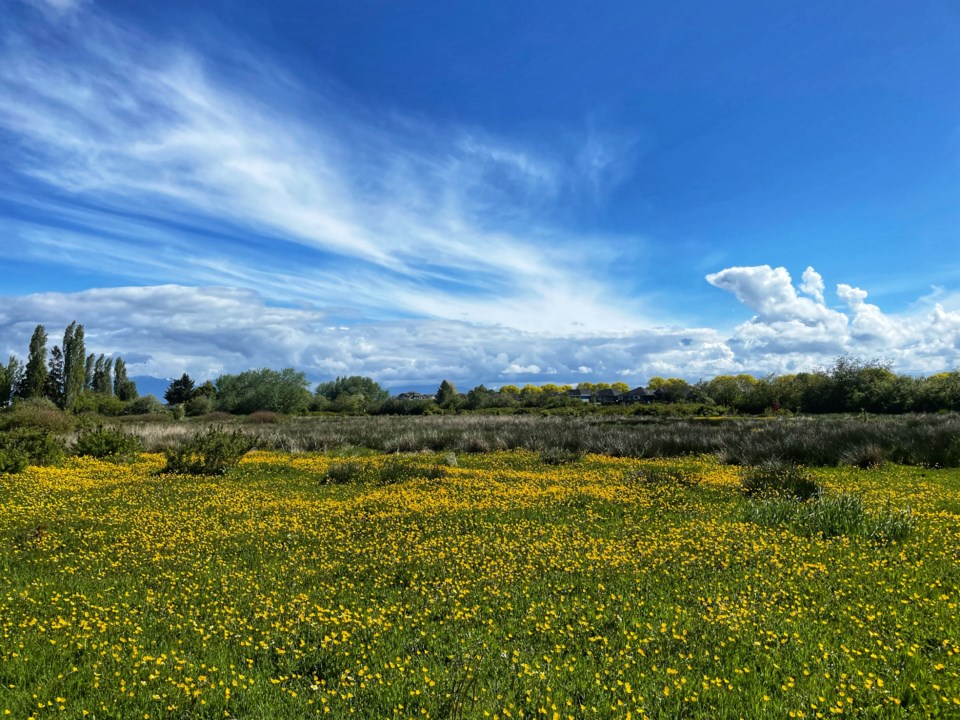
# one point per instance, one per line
(108, 444)
(199, 405)
(145, 405)
(13, 460)
(30, 446)
(213, 452)
(776, 479)
(38, 414)
(99, 404)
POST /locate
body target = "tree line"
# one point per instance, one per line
(66, 375)
(74, 380)
(849, 385)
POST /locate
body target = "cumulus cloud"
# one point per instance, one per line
(791, 332)
(812, 284)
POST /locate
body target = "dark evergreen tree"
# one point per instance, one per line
(180, 390)
(35, 375)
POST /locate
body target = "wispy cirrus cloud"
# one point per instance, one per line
(159, 150)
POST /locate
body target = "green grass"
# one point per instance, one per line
(491, 585)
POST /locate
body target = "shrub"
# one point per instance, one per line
(13, 460)
(212, 452)
(108, 443)
(38, 414)
(145, 405)
(38, 447)
(777, 479)
(98, 403)
(199, 405)
(394, 470)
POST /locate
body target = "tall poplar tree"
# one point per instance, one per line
(35, 376)
(54, 389)
(123, 387)
(88, 368)
(74, 364)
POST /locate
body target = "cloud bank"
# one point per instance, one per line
(169, 329)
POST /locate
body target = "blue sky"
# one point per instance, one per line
(488, 192)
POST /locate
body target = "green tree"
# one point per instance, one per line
(35, 374)
(89, 366)
(446, 394)
(285, 391)
(74, 368)
(102, 372)
(123, 387)
(54, 390)
(479, 398)
(10, 376)
(352, 394)
(179, 391)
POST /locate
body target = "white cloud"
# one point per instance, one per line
(286, 189)
(812, 284)
(170, 329)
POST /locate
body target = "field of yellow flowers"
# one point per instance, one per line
(481, 586)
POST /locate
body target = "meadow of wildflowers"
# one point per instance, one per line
(475, 586)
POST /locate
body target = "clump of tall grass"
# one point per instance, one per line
(341, 472)
(779, 479)
(830, 516)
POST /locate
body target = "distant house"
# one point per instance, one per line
(414, 396)
(608, 397)
(638, 395)
(581, 395)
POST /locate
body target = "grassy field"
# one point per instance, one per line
(472, 586)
